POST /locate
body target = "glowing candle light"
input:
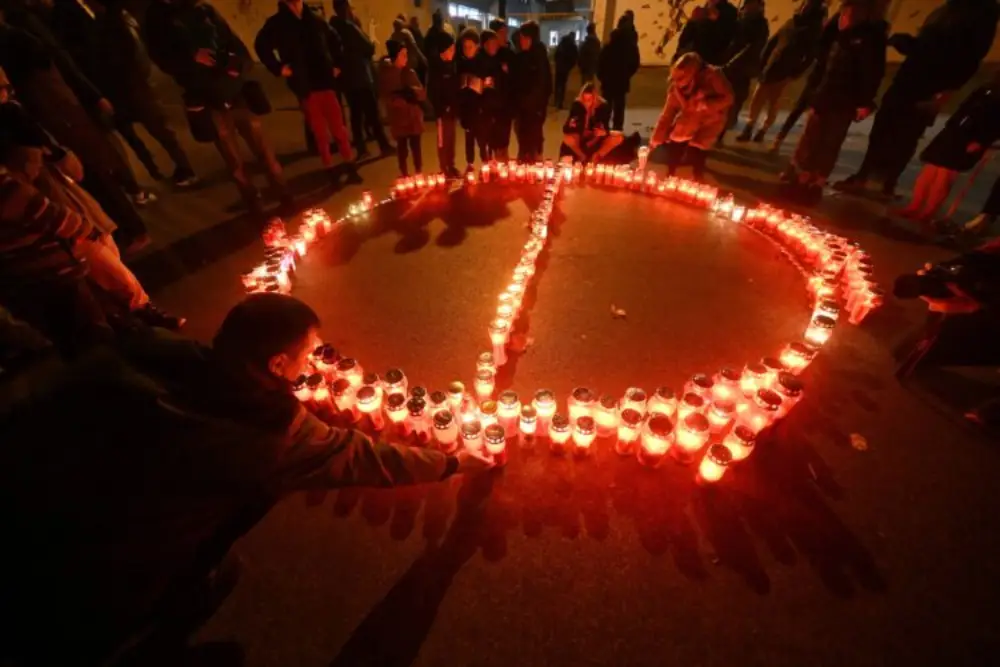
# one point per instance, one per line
(700, 384)
(372, 380)
(772, 368)
(472, 435)
(499, 333)
(739, 213)
(589, 172)
(657, 438)
(437, 402)
(508, 409)
(662, 402)
(446, 432)
(440, 180)
(727, 384)
(714, 465)
(326, 361)
(470, 176)
(606, 416)
(528, 426)
(797, 357)
(488, 413)
(496, 443)
(545, 406)
(395, 381)
(740, 442)
(581, 403)
(370, 403)
(302, 390)
(789, 388)
(628, 430)
(343, 398)
(690, 404)
(318, 388)
(754, 377)
(870, 299)
(299, 244)
(368, 200)
(692, 434)
(828, 308)
(635, 398)
(456, 397)
(485, 383)
(420, 181)
(350, 370)
(819, 331)
(395, 409)
(560, 431)
(762, 412)
(720, 415)
(417, 419)
(521, 173)
(584, 434)
(643, 156)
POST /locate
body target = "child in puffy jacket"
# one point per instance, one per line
(400, 88)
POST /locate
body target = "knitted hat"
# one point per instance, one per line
(393, 47)
(531, 29)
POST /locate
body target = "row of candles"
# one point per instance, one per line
(715, 420)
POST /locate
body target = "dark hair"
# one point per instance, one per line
(487, 35)
(496, 25)
(262, 326)
(588, 87)
(591, 28)
(531, 30)
(340, 6)
(468, 35)
(393, 47)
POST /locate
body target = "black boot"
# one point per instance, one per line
(746, 134)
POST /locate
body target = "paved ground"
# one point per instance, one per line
(813, 553)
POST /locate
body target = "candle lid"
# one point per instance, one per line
(665, 393)
(545, 396)
(744, 434)
(829, 305)
(340, 386)
(314, 380)
(693, 400)
(300, 383)
(729, 374)
(370, 378)
(346, 364)
(631, 417)
(396, 402)
(318, 352)
(583, 395)
(585, 425)
(724, 408)
(416, 406)
(418, 392)
(495, 434)
(367, 394)
(471, 429)
(702, 381)
(485, 358)
(485, 375)
(806, 351)
(636, 395)
(772, 365)
(560, 422)
(790, 384)
(528, 412)
(719, 455)
(824, 322)
(443, 419)
(609, 402)
(330, 354)
(488, 407)
(696, 422)
(394, 376)
(768, 399)
(456, 388)
(508, 398)
(660, 426)
(437, 397)
(757, 369)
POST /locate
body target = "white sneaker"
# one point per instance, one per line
(143, 197)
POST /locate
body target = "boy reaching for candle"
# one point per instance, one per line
(165, 452)
(400, 88)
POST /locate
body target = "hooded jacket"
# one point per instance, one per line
(793, 48)
(403, 95)
(852, 70)
(711, 89)
(618, 61)
(744, 54)
(307, 44)
(531, 78)
(567, 54)
(359, 50)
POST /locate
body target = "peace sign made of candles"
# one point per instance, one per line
(714, 421)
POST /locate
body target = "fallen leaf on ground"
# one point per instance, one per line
(618, 313)
(859, 442)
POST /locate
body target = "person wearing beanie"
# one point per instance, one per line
(496, 94)
(401, 33)
(501, 57)
(443, 92)
(616, 65)
(532, 86)
(470, 98)
(403, 95)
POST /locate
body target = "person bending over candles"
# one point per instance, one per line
(694, 115)
(587, 133)
(130, 473)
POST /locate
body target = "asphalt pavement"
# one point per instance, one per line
(862, 533)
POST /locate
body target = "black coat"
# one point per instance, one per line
(590, 53)
(792, 49)
(578, 123)
(308, 45)
(853, 68)
(470, 92)
(358, 53)
(531, 79)
(743, 56)
(432, 44)
(443, 87)
(977, 120)
(714, 37)
(618, 62)
(496, 84)
(567, 54)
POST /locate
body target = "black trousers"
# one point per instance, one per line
(562, 78)
(992, 205)
(406, 145)
(500, 128)
(801, 106)
(477, 133)
(741, 91)
(680, 152)
(365, 116)
(446, 141)
(143, 108)
(617, 102)
(529, 126)
(899, 124)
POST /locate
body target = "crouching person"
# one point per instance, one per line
(694, 115)
(586, 133)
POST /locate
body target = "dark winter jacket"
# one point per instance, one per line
(359, 50)
(308, 45)
(853, 69)
(567, 54)
(531, 79)
(580, 122)
(496, 95)
(792, 49)
(471, 86)
(978, 118)
(590, 53)
(432, 41)
(744, 54)
(125, 66)
(162, 456)
(443, 87)
(175, 33)
(714, 37)
(403, 95)
(618, 62)
(826, 39)
(947, 50)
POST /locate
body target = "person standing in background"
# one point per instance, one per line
(401, 33)
(470, 98)
(433, 48)
(787, 56)
(743, 56)
(716, 32)
(504, 119)
(618, 63)
(357, 81)
(495, 94)
(403, 95)
(531, 80)
(944, 54)
(443, 92)
(590, 54)
(566, 57)
(299, 46)
(418, 39)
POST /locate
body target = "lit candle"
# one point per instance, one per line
(581, 403)
(368, 200)
(496, 443)
(437, 402)
(584, 434)
(820, 330)
(727, 385)
(827, 307)
(302, 390)
(470, 176)
(700, 384)
(420, 181)
(499, 331)
(488, 413)
(299, 244)
(485, 383)
(628, 432)
(607, 416)
(395, 381)
(772, 367)
(797, 356)
(870, 299)
(446, 431)
(418, 392)
(720, 415)
(789, 388)
(485, 172)
(690, 404)
(754, 378)
(417, 419)
(327, 363)
(343, 398)
(528, 426)
(657, 438)
(740, 442)
(456, 397)
(350, 370)
(739, 213)
(692, 435)
(560, 432)
(472, 435)
(318, 389)
(762, 411)
(714, 465)
(635, 398)
(545, 406)
(508, 409)
(663, 402)
(589, 172)
(395, 408)
(370, 403)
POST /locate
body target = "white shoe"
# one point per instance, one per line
(143, 197)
